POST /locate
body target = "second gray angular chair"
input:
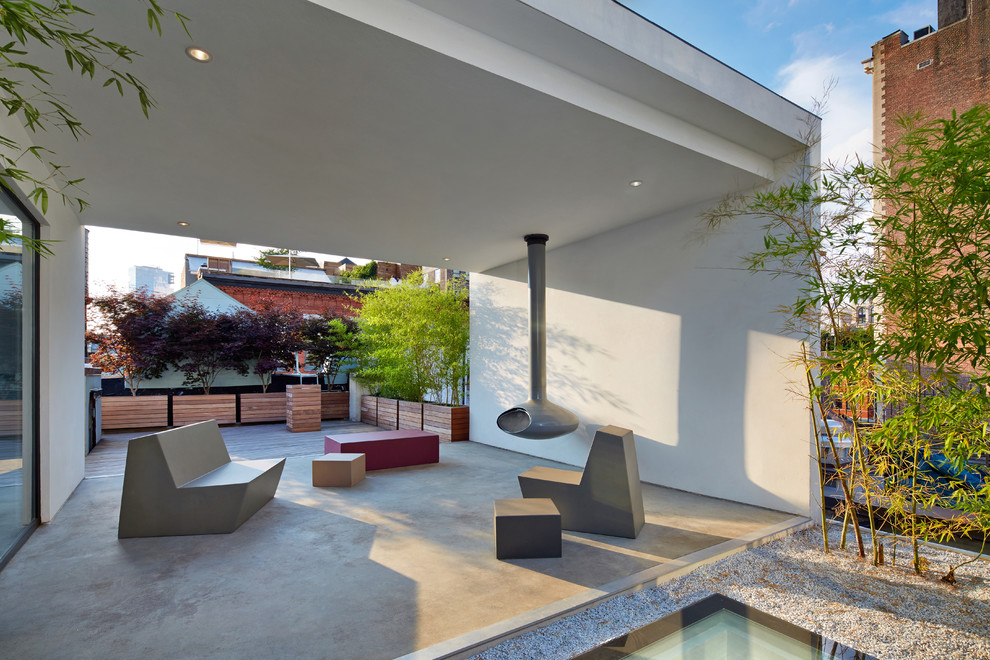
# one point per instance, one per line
(606, 498)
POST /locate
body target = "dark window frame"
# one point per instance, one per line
(28, 217)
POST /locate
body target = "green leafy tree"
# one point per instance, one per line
(26, 92)
(933, 276)
(925, 259)
(368, 271)
(413, 341)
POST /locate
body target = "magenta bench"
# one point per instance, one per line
(387, 449)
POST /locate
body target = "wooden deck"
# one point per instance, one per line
(245, 442)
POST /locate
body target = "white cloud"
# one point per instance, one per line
(847, 121)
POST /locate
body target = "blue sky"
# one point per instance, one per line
(795, 46)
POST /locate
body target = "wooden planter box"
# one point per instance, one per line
(192, 408)
(369, 410)
(134, 412)
(388, 413)
(11, 417)
(410, 415)
(302, 408)
(335, 405)
(267, 407)
(451, 423)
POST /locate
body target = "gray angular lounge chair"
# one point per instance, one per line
(606, 498)
(182, 482)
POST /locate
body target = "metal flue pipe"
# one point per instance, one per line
(538, 418)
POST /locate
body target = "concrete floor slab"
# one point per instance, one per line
(400, 562)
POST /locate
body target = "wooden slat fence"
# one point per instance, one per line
(410, 415)
(369, 410)
(452, 424)
(335, 405)
(130, 412)
(388, 413)
(201, 407)
(263, 407)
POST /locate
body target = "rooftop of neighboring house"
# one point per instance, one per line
(298, 269)
(306, 271)
(209, 296)
(311, 288)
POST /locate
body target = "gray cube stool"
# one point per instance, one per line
(338, 470)
(527, 528)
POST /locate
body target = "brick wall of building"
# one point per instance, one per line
(302, 302)
(957, 77)
(387, 270)
(950, 11)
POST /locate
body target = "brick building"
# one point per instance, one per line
(387, 270)
(932, 71)
(303, 297)
(935, 72)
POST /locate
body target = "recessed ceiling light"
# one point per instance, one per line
(199, 54)
(446, 258)
(183, 223)
(636, 184)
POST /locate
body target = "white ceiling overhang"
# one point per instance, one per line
(414, 130)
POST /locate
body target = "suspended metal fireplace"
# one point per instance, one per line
(538, 418)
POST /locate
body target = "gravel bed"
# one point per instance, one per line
(886, 611)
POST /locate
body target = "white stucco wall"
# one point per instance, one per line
(652, 329)
(62, 378)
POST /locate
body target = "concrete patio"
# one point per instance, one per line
(400, 563)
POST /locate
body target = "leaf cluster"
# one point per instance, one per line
(910, 233)
(368, 271)
(132, 334)
(413, 340)
(206, 343)
(330, 341)
(270, 333)
(140, 335)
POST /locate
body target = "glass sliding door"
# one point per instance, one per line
(18, 367)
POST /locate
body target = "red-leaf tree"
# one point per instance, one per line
(130, 331)
(205, 343)
(271, 334)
